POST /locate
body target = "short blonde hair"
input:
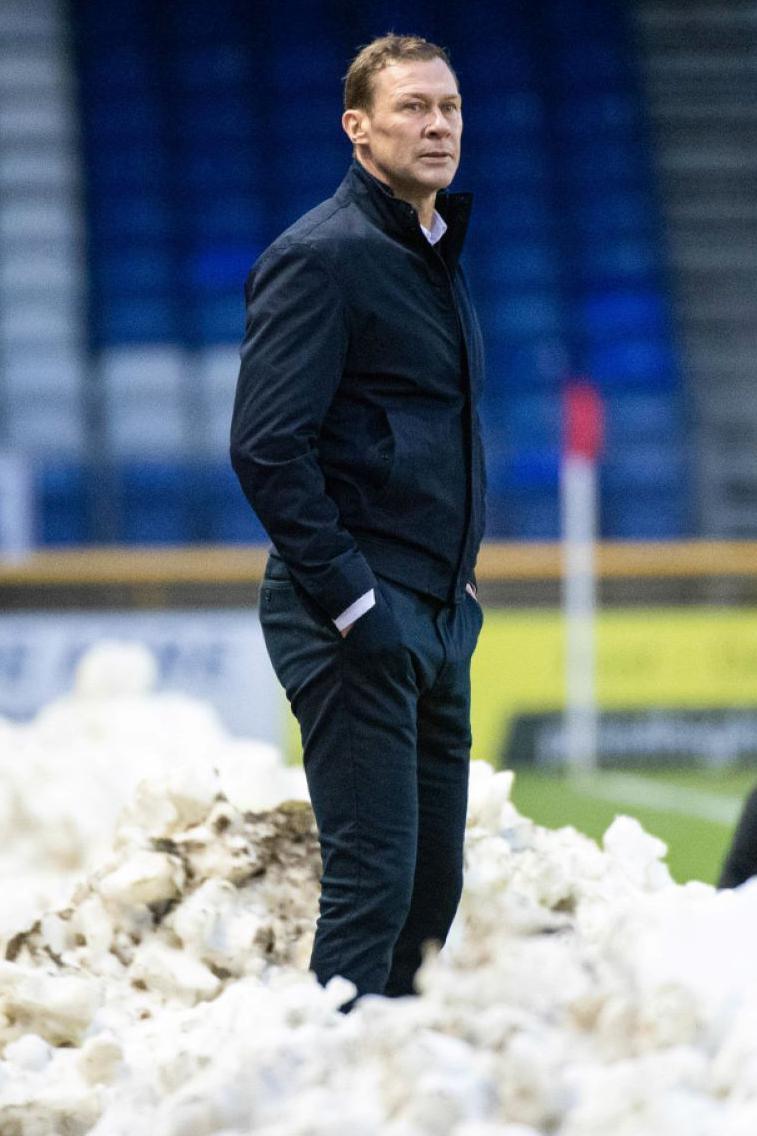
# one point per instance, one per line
(358, 82)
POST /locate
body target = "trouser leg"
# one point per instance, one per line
(444, 741)
(357, 714)
(741, 860)
(361, 778)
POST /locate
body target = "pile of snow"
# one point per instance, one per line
(65, 777)
(581, 992)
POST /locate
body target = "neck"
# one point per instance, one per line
(423, 202)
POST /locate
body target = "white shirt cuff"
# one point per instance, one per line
(361, 605)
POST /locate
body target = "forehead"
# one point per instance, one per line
(422, 76)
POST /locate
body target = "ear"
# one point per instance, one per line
(353, 124)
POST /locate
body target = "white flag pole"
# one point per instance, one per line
(578, 484)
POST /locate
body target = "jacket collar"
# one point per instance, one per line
(398, 218)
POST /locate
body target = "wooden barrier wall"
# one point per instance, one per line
(235, 564)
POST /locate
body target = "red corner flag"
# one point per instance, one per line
(583, 421)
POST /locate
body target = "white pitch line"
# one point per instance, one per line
(631, 789)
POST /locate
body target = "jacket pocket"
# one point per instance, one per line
(403, 465)
(428, 463)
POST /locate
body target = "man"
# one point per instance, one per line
(740, 863)
(356, 439)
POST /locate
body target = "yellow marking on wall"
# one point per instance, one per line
(698, 658)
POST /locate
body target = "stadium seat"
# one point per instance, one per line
(645, 466)
(636, 362)
(641, 416)
(520, 263)
(605, 113)
(524, 515)
(211, 67)
(648, 516)
(612, 212)
(135, 319)
(132, 269)
(155, 503)
(534, 420)
(63, 509)
(611, 313)
(627, 260)
(227, 515)
(129, 217)
(528, 315)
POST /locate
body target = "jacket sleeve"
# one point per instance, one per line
(292, 358)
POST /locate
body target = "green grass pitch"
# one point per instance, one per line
(696, 843)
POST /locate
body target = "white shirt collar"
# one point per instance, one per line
(437, 230)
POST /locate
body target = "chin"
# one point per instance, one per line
(439, 181)
(442, 183)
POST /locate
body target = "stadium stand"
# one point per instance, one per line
(42, 272)
(204, 130)
(699, 74)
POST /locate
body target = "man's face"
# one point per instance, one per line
(410, 138)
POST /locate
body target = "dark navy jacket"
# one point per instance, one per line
(355, 434)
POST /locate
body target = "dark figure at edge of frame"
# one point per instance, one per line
(356, 439)
(741, 860)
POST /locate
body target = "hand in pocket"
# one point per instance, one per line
(377, 631)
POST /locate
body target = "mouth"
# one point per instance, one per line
(437, 155)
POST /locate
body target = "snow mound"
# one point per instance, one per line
(65, 777)
(581, 992)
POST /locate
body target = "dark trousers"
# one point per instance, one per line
(385, 720)
(741, 861)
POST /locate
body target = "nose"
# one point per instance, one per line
(437, 124)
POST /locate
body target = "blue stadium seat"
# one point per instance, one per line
(644, 516)
(135, 319)
(612, 211)
(119, 168)
(610, 314)
(228, 515)
(520, 211)
(137, 270)
(306, 66)
(511, 263)
(524, 515)
(63, 507)
(154, 503)
(522, 164)
(600, 163)
(125, 118)
(526, 315)
(624, 259)
(644, 466)
(219, 318)
(633, 416)
(599, 115)
(502, 62)
(509, 113)
(592, 66)
(215, 170)
(576, 21)
(211, 67)
(638, 362)
(534, 420)
(130, 217)
(192, 20)
(219, 268)
(215, 121)
(535, 360)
